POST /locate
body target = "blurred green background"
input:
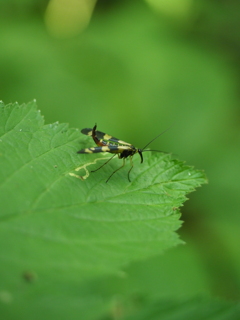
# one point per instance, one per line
(137, 68)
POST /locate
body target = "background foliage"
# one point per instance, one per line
(137, 68)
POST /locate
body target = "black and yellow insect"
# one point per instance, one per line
(107, 143)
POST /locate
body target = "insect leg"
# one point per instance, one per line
(104, 163)
(130, 169)
(116, 170)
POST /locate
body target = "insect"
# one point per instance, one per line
(107, 143)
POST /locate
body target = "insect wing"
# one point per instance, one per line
(111, 149)
(107, 137)
(87, 131)
(104, 136)
(92, 150)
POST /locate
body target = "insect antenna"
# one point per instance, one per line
(156, 151)
(143, 149)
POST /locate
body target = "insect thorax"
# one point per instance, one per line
(127, 153)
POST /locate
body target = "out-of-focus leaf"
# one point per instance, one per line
(198, 308)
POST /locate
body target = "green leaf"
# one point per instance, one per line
(58, 228)
(195, 308)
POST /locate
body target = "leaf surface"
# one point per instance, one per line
(56, 227)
